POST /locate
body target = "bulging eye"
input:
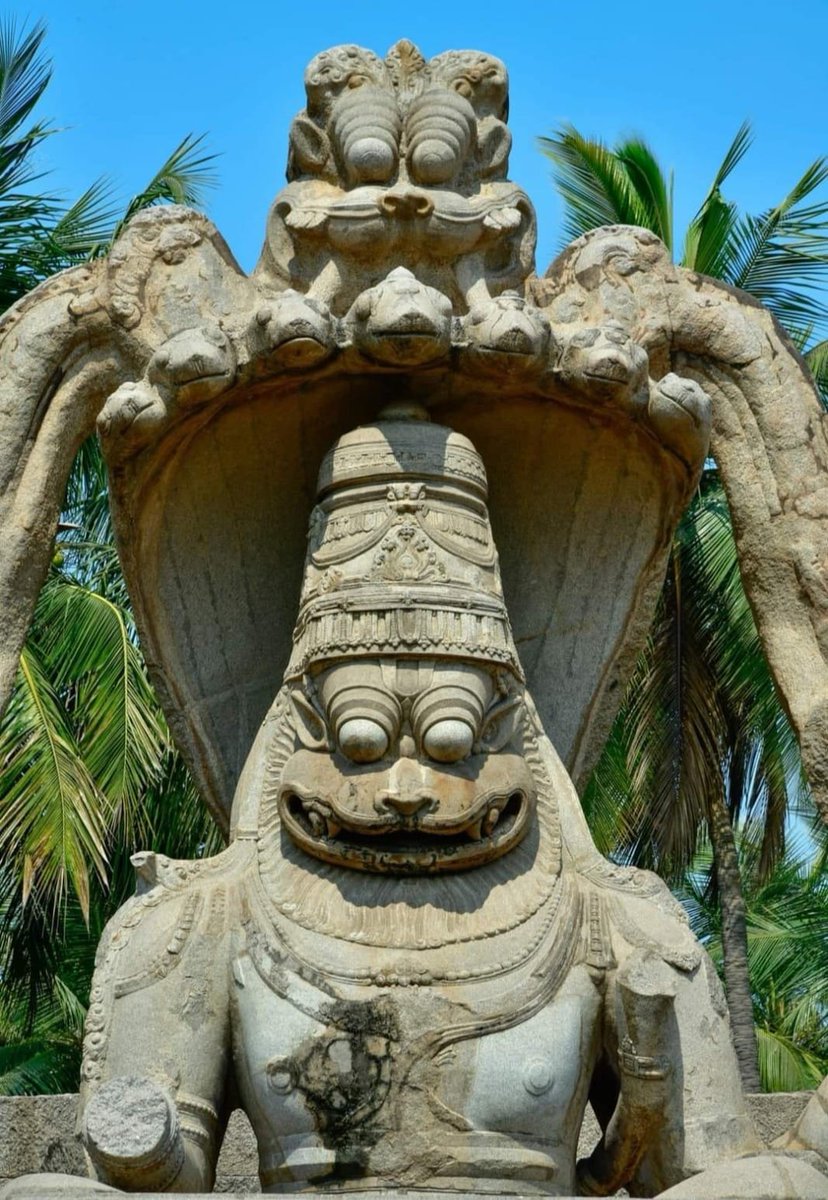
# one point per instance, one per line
(362, 740)
(356, 81)
(448, 741)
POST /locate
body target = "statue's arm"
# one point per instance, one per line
(157, 1046)
(706, 1119)
(669, 1096)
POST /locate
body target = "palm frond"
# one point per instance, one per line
(610, 801)
(734, 154)
(708, 241)
(650, 185)
(39, 1065)
(183, 179)
(92, 659)
(785, 1066)
(595, 185)
(79, 231)
(24, 74)
(52, 814)
(781, 256)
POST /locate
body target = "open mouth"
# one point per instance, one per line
(408, 847)
(426, 334)
(507, 351)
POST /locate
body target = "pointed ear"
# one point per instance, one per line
(308, 721)
(494, 141)
(310, 150)
(501, 723)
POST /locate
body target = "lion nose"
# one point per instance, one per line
(406, 794)
(406, 203)
(406, 806)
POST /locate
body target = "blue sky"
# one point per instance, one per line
(131, 79)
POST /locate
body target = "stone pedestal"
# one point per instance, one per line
(37, 1134)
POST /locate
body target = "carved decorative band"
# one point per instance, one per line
(641, 1066)
(422, 630)
(451, 597)
(339, 538)
(346, 463)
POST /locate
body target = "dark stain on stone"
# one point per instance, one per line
(345, 1075)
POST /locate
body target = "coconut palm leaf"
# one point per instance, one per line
(708, 236)
(609, 803)
(183, 179)
(76, 233)
(784, 1065)
(89, 645)
(781, 255)
(702, 711)
(24, 77)
(24, 74)
(597, 185)
(39, 1065)
(52, 813)
(649, 184)
(787, 916)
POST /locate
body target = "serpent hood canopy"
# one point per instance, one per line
(398, 267)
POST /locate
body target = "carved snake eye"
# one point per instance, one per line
(362, 740)
(448, 741)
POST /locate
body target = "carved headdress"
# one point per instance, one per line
(401, 559)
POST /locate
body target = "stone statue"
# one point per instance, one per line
(411, 967)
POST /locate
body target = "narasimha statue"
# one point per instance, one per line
(411, 967)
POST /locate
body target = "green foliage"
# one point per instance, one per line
(701, 715)
(788, 947)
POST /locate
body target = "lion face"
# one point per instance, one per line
(407, 766)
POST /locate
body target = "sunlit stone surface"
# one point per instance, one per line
(393, 513)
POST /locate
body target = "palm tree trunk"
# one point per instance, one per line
(734, 942)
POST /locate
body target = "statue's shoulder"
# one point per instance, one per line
(176, 900)
(639, 913)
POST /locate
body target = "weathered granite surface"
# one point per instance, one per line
(411, 960)
(37, 1133)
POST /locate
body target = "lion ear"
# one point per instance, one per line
(494, 141)
(501, 723)
(308, 721)
(310, 150)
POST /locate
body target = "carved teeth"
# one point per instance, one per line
(475, 831)
(485, 826)
(490, 820)
(316, 822)
(321, 825)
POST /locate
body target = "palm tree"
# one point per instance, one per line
(786, 923)
(88, 771)
(701, 741)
